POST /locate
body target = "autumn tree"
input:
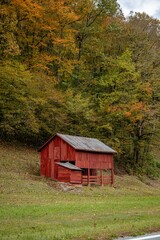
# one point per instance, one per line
(9, 45)
(124, 102)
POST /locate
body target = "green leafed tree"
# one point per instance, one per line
(17, 104)
(124, 102)
(31, 108)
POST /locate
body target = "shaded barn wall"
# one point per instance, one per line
(68, 175)
(55, 151)
(76, 177)
(94, 160)
(63, 174)
(45, 162)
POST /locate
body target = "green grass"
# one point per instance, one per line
(35, 208)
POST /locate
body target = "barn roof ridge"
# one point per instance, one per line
(82, 143)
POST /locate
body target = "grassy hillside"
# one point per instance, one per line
(36, 208)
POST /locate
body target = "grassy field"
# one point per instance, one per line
(33, 207)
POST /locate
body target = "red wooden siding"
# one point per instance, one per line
(94, 160)
(63, 174)
(76, 177)
(67, 152)
(57, 150)
(45, 162)
(68, 175)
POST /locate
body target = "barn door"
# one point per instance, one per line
(56, 158)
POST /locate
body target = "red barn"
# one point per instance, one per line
(78, 160)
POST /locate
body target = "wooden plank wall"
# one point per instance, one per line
(67, 152)
(45, 162)
(76, 177)
(63, 174)
(94, 160)
(55, 151)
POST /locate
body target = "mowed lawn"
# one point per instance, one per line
(35, 208)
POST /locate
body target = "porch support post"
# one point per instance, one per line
(88, 176)
(112, 174)
(88, 172)
(102, 178)
(81, 178)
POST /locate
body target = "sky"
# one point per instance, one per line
(151, 7)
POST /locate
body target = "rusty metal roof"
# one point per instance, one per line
(86, 144)
(69, 165)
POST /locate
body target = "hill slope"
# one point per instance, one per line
(36, 208)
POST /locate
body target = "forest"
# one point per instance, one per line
(80, 67)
